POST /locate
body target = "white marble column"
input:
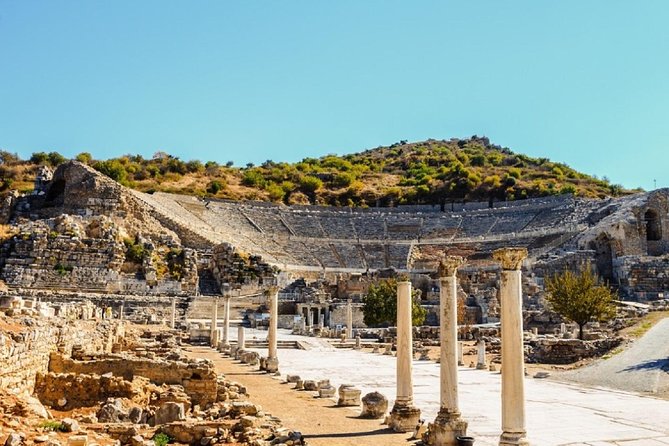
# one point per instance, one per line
(448, 424)
(480, 360)
(272, 365)
(226, 323)
(321, 320)
(404, 416)
(310, 318)
(349, 319)
(513, 364)
(241, 341)
(174, 313)
(461, 353)
(213, 336)
(121, 311)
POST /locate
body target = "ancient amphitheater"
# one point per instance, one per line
(106, 292)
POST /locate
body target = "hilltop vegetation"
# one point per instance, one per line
(431, 171)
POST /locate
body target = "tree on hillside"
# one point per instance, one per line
(380, 305)
(580, 297)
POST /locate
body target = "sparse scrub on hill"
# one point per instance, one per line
(427, 172)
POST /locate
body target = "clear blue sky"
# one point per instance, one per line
(582, 82)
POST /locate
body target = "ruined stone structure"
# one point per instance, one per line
(73, 233)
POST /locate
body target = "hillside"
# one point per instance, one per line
(430, 171)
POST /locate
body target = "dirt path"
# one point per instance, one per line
(320, 420)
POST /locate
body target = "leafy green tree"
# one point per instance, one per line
(56, 158)
(113, 169)
(39, 158)
(380, 305)
(580, 297)
(84, 157)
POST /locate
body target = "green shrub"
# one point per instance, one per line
(161, 439)
(134, 252)
(51, 425)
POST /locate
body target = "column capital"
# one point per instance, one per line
(272, 289)
(510, 258)
(449, 265)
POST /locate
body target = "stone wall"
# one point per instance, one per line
(198, 379)
(68, 391)
(643, 279)
(25, 351)
(567, 351)
(236, 269)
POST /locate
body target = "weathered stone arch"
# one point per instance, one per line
(56, 193)
(653, 225)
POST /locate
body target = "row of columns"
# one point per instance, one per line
(214, 323)
(448, 424)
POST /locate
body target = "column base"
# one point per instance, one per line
(446, 428)
(404, 418)
(513, 439)
(271, 365)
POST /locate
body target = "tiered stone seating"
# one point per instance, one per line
(370, 226)
(512, 222)
(326, 255)
(351, 253)
(318, 237)
(269, 221)
(338, 226)
(375, 255)
(397, 255)
(403, 227)
(440, 226)
(476, 225)
(304, 224)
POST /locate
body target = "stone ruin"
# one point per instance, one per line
(71, 234)
(75, 378)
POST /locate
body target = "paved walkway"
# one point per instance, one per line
(558, 414)
(640, 368)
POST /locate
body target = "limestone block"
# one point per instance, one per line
(77, 440)
(70, 425)
(292, 378)
(310, 385)
(13, 440)
(348, 395)
(245, 407)
(112, 412)
(327, 391)
(374, 405)
(169, 412)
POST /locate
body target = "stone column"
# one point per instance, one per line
(321, 320)
(349, 319)
(120, 312)
(241, 342)
(513, 365)
(480, 362)
(174, 313)
(272, 358)
(226, 323)
(213, 336)
(448, 424)
(404, 416)
(461, 357)
(310, 318)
